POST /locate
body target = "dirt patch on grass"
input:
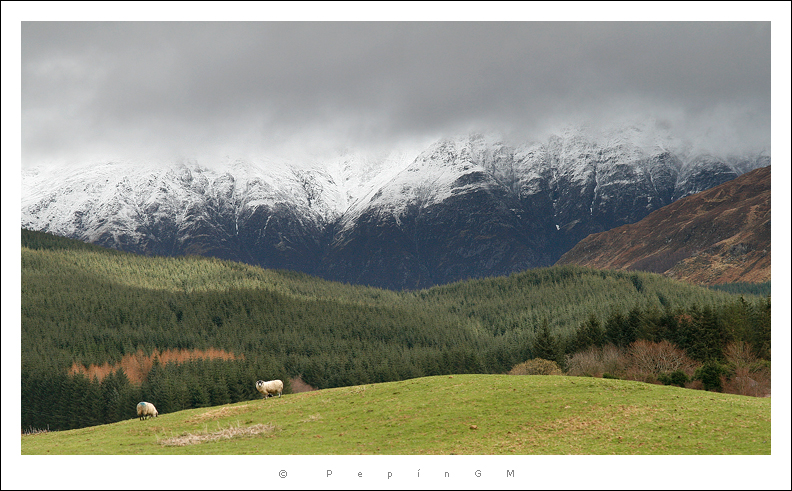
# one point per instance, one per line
(219, 413)
(596, 420)
(313, 417)
(573, 424)
(221, 434)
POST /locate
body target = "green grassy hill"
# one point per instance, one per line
(442, 415)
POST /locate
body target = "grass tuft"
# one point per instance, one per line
(223, 433)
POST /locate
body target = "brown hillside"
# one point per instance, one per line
(721, 235)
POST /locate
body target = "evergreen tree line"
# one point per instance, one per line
(702, 332)
(58, 401)
(55, 400)
(739, 288)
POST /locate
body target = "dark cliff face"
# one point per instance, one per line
(275, 237)
(478, 233)
(702, 173)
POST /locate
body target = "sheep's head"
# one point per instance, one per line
(259, 384)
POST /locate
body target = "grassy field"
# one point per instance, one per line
(445, 415)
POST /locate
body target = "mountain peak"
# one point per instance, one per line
(467, 206)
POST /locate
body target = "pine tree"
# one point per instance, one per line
(590, 333)
(713, 334)
(545, 344)
(128, 397)
(199, 396)
(76, 416)
(60, 402)
(760, 330)
(111, 397)
(632, 326)
(615, 327)
(93, 404)
(218, 392)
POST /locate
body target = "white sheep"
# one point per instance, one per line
(146, 410)
(270, 388)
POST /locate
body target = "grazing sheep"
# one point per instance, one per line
(146, 410)
(270, 388)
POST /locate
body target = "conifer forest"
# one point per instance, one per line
(84, 306)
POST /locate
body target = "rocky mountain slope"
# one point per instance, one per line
(471, 206)
(717, 236)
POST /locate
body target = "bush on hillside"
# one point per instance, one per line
(595, 361)
(749, 376)
(647, 361)
(678, 377)
(648, 357)
(537, 366)
(710, 375)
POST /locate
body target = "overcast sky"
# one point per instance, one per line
(191, 89)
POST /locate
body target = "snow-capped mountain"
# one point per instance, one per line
(470, 206)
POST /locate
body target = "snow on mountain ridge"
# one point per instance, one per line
(606, 177)
(429, 179)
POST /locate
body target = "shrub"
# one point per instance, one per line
(710, 375)
(678, 377)
(739, 354)
(748, 383)
(608, 375)
(749, 375)
(537, 366)
(648, 361)
(595, 361)
(656, 358)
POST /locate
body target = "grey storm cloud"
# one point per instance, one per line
(128, 88)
